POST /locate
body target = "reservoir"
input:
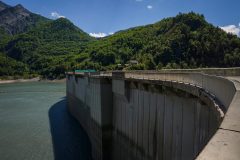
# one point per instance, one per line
(35, 124)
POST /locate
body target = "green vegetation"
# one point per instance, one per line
(184, 41)
(4, 38)
(12, 69)
(50, 48)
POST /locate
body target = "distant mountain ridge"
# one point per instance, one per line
(18, 19)
(3, 6)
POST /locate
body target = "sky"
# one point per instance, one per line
(104, 17)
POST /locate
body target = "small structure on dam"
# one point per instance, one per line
(150, 115)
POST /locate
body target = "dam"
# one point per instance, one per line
(158, 115)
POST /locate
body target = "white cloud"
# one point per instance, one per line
(232, 29)
(100, 34)
(56, 15)
(149, 7)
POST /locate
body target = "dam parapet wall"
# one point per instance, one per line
(149, 114)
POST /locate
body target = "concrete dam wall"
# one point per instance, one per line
(149, 115)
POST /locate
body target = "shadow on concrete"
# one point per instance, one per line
(70, 141)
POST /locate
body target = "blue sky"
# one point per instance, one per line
(103, 17)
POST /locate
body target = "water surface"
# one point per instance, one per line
(35, 124)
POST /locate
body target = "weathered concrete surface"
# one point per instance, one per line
(232, 117)
(209, 83)
(225, 144)
(180, 124)
(157, 115)
(90, 102)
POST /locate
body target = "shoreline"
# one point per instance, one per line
(54, 80)
(19, 80)
(37, 79)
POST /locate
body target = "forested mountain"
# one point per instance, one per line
(10, 67)
(184, 41)
(54, 46)
(45, 48)
(59, 37)
(42, 45)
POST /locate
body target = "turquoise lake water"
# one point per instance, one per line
(35, 124)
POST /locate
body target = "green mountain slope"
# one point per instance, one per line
(59, 37)
(4, 38)
(45, 47)
(184, 41)
(13, 68)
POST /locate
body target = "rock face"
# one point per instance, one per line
(3, 6)
(17, 19)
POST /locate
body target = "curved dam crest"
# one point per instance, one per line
(149, 115)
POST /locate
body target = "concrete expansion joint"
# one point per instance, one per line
(230, 130)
